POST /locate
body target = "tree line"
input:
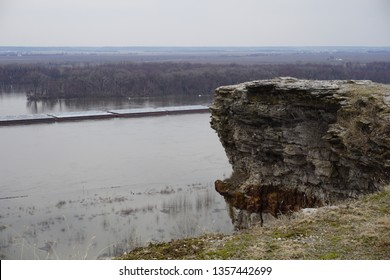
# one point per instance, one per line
(47, 81)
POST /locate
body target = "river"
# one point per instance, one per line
(95, 189)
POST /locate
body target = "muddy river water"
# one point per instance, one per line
(95, 189)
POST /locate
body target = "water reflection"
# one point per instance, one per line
(86, 104)
(88, 190)
(16, 103)
(80, 229)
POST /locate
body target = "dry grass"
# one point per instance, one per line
(357, 229)
(365, 116)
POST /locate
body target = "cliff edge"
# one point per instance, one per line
(302, 143)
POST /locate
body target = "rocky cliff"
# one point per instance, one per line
(301, 143)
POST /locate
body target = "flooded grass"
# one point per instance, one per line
(177, 213)
(352, 230)
(60, 204)
(87, 190)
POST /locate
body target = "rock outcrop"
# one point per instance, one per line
(300, 143)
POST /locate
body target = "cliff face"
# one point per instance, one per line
(300, 143)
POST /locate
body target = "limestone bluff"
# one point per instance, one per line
(302, 143)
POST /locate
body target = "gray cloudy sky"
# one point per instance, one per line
(194, 22)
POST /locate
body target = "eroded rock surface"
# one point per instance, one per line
(302, 143)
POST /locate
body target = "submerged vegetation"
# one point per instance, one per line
(127, 79)
(357, 229)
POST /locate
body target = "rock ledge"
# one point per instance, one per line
(301, 143)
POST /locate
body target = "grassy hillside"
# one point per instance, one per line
(357, 229)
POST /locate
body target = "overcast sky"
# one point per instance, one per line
(194, 22)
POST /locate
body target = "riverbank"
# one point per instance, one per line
(358, 229)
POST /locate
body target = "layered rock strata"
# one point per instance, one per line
(302, 143)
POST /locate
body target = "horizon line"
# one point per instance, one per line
(205, 46)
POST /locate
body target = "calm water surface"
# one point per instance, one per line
(15, 103)
(93, 189)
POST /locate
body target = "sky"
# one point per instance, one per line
(195, 23)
